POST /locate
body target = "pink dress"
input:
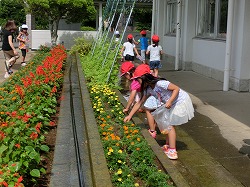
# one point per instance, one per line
(135, 85)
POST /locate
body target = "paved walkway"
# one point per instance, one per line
(16, 66)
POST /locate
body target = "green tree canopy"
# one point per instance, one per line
(12, 9)
(54, 10)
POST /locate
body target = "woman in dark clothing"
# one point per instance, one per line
(10, 53)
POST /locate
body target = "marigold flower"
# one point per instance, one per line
(120, 151)
(119, 172)
(137, 148)
(136, 184)
(120, 179)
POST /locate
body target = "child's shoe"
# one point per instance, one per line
(6, 75)
(23, 64)
(172, 154)
(165, 149)
(152, 133)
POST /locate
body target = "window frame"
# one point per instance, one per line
(171, 20)
(215, 33)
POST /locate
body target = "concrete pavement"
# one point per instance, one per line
(17, 65)
(221, 126)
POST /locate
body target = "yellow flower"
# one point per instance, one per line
(120, 179)
(111, 150)
(138, 139)
(120, 151)
(119, 161)
(136, 184)
(109, 153)
(119, 172)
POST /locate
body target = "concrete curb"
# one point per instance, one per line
(100, 173)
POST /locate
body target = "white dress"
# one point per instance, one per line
(181, 111)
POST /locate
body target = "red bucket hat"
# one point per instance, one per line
(126, 67)
(141, 70)
(155, 38)
(143, 32)
(130, 36)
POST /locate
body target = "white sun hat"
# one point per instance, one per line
(24, 26)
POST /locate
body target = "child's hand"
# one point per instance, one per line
(125, 110)
(127, 119)
(168, 104)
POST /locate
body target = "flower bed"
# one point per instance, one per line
(28, 100)
(130, 160)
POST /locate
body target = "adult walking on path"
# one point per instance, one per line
(10, 53)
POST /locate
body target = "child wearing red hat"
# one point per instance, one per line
(155, 51)
(144, 41)
(128, 49)
(127, 70)
(177, 108)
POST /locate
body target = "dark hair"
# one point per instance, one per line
(130, 41)
(131, 71)
(147, 80)
(155, 44)
(144, 35)
(10, 25)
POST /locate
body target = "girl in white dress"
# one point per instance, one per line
(177, 108)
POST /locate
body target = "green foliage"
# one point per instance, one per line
(12, 9)
(82, 46)
(102, 67)
(28, 100)
(129, 157)
(87, 28)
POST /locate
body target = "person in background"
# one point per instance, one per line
(128, 49)
(155, 51)
(117, 36)
(10, 53)
(23, 42)
(144, 41)
(127, 70)
(177, 108)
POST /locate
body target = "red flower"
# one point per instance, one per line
(13, 114)
(26, 117)
(38, 127)
(2, 135)
(5, 184)
(18, 146)
(40, 71)
(33, 135)
(54, 90)
(20, 179)
(19, 90)
(52, 123)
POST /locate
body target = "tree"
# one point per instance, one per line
(54, 10)
(12, 9)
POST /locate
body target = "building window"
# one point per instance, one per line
(212, 18)
(171, 17)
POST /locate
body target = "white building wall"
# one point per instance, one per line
(42, 37)
(245, 61)
(207, 56)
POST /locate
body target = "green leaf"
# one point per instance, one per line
(43, 170)
(35, 173)
(44, 148)
(14, 166)
(3, 148)
(29, 149)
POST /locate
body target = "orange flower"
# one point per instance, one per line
(137, 149)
